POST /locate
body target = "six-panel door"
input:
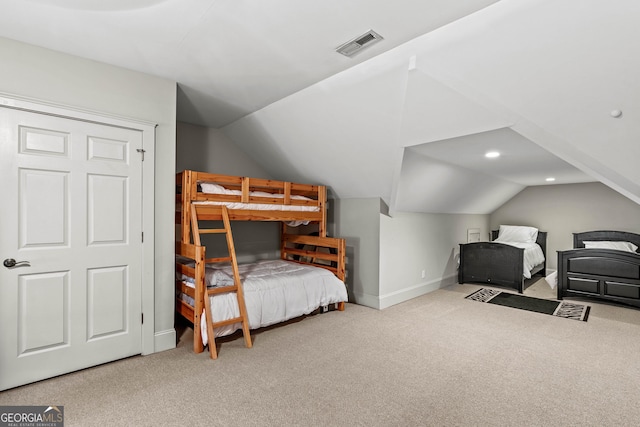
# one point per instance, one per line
(71, 212)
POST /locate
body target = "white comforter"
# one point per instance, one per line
(266, 207)
(274, 291)
(260, 206)
(533, 256)
(211, 188)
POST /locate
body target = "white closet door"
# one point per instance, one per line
(71, 218)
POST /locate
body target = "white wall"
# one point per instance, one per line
(413, 243)
(386, 255)
(561, 210)
(57, 78)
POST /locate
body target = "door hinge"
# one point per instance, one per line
(142, 238)
(141, 151)
(142, 318)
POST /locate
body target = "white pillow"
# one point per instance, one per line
(217, 277)
(265, 194)
(620, 246)
(210, 188)
(278, 195)
(517, 233)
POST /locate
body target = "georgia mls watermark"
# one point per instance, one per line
(31, 416)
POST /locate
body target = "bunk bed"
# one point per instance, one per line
(603, 265)
(516, 253)
(217, 295)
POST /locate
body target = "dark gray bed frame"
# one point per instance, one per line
(603, 274)
(497, 264)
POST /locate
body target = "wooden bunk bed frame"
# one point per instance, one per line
(191, 208)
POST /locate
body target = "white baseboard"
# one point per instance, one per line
(164, 340)
(406, 294)
(367, 300)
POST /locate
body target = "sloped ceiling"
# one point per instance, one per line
(473, 183)
(407, 120)
(229, 57)
(539, 79)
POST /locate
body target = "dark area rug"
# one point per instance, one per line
(564, 309)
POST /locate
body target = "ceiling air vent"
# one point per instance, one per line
(356, 45)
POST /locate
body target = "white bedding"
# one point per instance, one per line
(266, 207)
(261, 206)
(533, 256)
(274, 291)
(210, 188)
(523, 237)
(218, 189)
(615, 245)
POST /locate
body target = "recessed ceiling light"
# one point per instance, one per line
(550, 179)
(492, 154)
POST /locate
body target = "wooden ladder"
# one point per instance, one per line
(235, 288)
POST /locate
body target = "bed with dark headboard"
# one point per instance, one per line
(499, 263)
(604, 265)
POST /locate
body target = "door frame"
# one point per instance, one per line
(148, 190)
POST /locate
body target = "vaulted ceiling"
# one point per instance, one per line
(409, 118)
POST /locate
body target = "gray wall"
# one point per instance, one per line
(387, 255)
(61, 79)
(561, 210)
(413, 243)
(358, 221)
(209, 150)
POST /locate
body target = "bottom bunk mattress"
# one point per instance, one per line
(274, 291)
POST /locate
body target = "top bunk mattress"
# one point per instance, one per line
(248, 199)
(256, 197)
(256, 206)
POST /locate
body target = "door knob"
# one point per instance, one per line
(10, 263)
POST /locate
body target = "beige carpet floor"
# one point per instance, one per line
(437, 360)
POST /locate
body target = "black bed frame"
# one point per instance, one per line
(603, 274)
(497, 263)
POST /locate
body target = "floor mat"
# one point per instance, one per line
(564, 309)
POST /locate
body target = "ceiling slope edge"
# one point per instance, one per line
(335, 132)
(581, 160)
(433, 112)
(467, 192)
(555, 145)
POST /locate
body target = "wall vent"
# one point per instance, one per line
(356, 45)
